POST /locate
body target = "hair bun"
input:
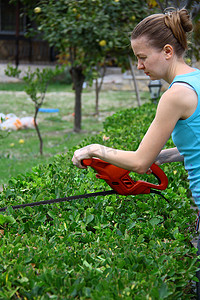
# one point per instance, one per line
(180, 23)
(185, 20)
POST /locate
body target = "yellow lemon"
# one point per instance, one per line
(102, 43)
(152, 3)
(133, 18)
(21, 141)
(37, 10)
(12, 144)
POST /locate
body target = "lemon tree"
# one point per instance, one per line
(86, 33)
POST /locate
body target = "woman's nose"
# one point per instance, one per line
(140, 65)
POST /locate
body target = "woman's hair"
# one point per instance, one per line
(169, 28)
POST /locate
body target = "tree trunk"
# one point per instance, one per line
(78, 79)
(38, 131)
(135, 82)
(97, 97)
(98, 89)
(17, 33)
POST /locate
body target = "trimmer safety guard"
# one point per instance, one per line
(120, 181)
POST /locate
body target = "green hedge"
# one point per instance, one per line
(113, 247)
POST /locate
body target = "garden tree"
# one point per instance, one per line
(87, 31)
(36, 86)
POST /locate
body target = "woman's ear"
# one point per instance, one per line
(168, 51)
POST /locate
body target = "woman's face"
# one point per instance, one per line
(151, 60)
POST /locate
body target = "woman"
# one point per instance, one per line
(159, 43)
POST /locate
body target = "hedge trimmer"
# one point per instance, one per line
(117, 178)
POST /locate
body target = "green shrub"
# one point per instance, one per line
(113, 247)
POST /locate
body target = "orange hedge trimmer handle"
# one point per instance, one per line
(120, 181)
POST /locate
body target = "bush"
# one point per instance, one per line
(113, 247)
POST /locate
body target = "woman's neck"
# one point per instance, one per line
(178, 68)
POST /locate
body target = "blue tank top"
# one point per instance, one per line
(186, 136)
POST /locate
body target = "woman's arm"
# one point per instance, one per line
(169, 111)
(169, 155)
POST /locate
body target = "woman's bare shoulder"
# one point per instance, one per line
(182, 98)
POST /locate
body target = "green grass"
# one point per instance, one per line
(56, 128)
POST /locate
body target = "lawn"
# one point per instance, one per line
(56, 128)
